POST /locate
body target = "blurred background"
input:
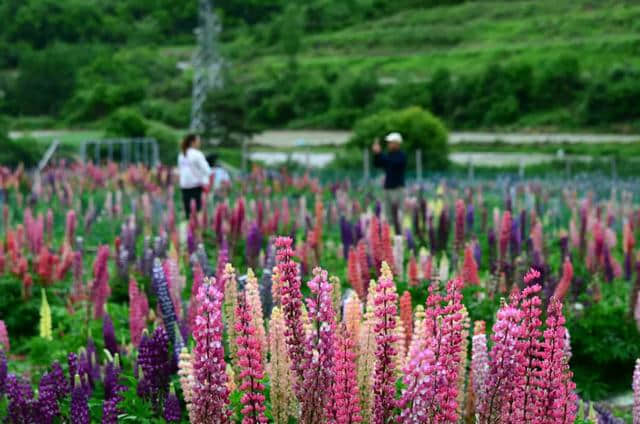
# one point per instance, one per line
(474, 86)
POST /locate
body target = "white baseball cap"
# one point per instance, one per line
(394, 137)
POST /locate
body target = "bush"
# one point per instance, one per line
(23, 150)
(126, 122)
(614, 99)
(419, 128)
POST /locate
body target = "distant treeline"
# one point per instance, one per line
(80, 61)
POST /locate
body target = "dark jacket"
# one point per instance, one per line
(394, 165)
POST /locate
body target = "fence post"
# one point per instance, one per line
(470, 172)
(96, 152)
(419, 164)
(365, 164)
(110, 151)
(614, 171)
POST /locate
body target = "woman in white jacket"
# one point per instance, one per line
(194, 172)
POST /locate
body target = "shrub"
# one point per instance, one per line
(23, 150)
(126, 122)
(419, 128)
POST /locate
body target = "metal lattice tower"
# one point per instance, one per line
(207, 64)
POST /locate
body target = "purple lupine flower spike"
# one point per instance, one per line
(109, 335)
(79, 403)
(254, 244)
(3, 372)
(172, 412)
(470, 217)
(161, 289)
(21, 402)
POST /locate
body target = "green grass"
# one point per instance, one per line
(415, 42)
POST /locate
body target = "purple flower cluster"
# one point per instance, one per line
(154, 367)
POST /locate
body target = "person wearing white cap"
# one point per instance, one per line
(394, 163)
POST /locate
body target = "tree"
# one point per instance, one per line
(228, 108)
(419, 129)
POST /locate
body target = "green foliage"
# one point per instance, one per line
(23, 150)
(419, 129)
(126, 122)
(167, 139)
(47, 79)
(605, 343)
(228, 104)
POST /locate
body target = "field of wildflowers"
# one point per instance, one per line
(289, 300)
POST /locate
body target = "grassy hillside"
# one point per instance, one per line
(466, 37)
(541, 64)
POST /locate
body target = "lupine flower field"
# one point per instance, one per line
(290, 300)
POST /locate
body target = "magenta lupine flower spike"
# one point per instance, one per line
(344, 408)
(210, 399)
(530, 305)
(100, 289)
(319, 348)
(556, 391)
(479, 364)
(291, 298)
(70, 228)
(4, 337)
(138, 311)
(636, 393)
(384, 385)
(432, 374)
(250, 364)
(506, 365)
(505, 234)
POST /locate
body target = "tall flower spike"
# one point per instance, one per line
(138, 312)
(354, 272)
(319, 351)
(109, 335)
(384, 387)
(250, 364)
(636, 393)
(367, 357)
(79, 403)
(469, 267)
(172, 412)
(280, 374)
(406, 315)
(345, 406)
(556, 391)
(479, 365)
(161, 289)
(253, 299)
(185, 371)
(229, 306)
(45, 318)
(210, 393)
(505, 234)
(565, 280)
(155, 367)
(291, 299)
(353, 315)
(531, 346)
(506, 362)
(100, 289)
